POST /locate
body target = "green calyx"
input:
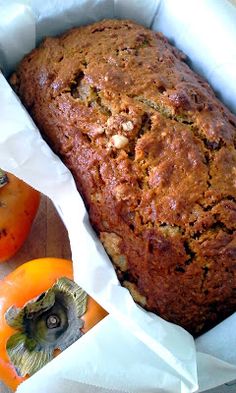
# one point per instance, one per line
(51, 321)
(3, 178)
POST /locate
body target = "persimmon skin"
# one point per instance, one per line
(25, 283)
(93, 315)
(18, 206)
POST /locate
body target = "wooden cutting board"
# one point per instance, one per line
(48, 238)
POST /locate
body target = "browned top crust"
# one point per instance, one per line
(153, 154)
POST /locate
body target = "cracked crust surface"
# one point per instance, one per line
(152, 151)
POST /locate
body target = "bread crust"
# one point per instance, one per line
(152, 151)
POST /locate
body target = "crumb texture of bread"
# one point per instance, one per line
(153, 154)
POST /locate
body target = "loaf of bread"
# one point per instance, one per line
(152, 151)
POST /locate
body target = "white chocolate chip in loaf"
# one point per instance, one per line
(119, 141)
(128, 126)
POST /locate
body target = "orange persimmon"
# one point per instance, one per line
(18, 206)
(42, 311)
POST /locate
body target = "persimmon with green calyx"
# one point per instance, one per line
(42, 312)
(18, 206)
